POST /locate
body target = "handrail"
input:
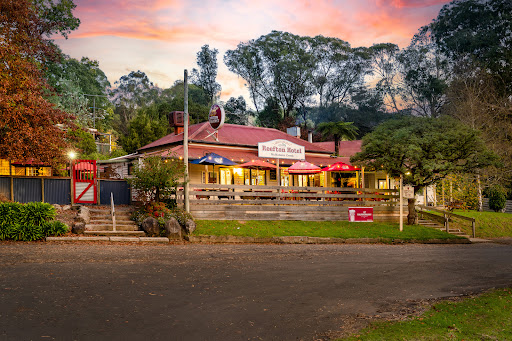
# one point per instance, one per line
(113, 211)
(445, 212)
(308, 188)
(447, 215)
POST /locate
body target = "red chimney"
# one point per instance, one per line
(176, 121)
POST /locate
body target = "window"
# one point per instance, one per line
(273, 175)
(212, 177)
(4, 167)
(383, 184)
(226, 177)
(285, 177)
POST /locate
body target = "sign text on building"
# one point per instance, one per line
(281, 149)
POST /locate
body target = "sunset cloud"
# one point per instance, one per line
(162, 37)
(410, 3)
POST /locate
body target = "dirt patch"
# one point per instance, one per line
(67, 216)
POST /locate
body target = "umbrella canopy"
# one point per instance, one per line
(340, 167)
(304, 167)
(258, 164)
(214, 159)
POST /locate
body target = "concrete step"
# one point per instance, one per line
(109, 227)
(107, 214)
(456, 232)
(116, 233)
(435, 226)
(109, 221)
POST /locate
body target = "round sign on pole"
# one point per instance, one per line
(216, 116)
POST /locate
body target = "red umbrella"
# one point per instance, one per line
(340, 167)
(258, 164)
(304, 167)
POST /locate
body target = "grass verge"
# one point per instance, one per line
(486, 317)
(332, 229)
(489, 224)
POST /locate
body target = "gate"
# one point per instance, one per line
(84, 181)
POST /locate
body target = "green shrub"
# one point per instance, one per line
(4, 232)
(21, 232)
(38, 213)
(497, 198)
(181, 216)
(159, 211)
(28, 222)
(55, 228)
(10, 213)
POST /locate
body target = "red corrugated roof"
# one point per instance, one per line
(347, 148)
(232, 134)
(243, 155)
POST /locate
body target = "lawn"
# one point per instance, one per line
(333, 229)
(486, 317)
(490, 224)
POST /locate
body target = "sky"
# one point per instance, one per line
(162, 37)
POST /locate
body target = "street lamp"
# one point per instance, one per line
(72, 156)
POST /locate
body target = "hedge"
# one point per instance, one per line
(28, 222)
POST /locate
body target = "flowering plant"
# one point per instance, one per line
(157, 209)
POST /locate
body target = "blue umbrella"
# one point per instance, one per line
(214, 159)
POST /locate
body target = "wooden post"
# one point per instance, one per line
(185, 144)
(98, 189)
(401, 203)
(42, 189)
(72, 189)
(442, 196)
(362, 177)
(473, 227)
(12, 188)
(278, 175)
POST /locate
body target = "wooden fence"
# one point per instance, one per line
(508, 206)
(235, 202)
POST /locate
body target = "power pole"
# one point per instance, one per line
(94, 107)
(185, 143)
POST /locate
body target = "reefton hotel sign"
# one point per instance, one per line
(281, 149)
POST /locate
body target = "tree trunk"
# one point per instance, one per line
(336, 145)
(411, 216)
(479, 191)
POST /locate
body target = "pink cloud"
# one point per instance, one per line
(410, 3)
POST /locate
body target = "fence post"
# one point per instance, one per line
(98, 189)
(42, 189)
(473, 227)
(113, 211)
(12, 188)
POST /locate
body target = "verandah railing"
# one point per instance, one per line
(232, 202)
(289, 195)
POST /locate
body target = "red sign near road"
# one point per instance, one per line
(360, 214)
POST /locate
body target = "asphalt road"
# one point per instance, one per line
(227, 292)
